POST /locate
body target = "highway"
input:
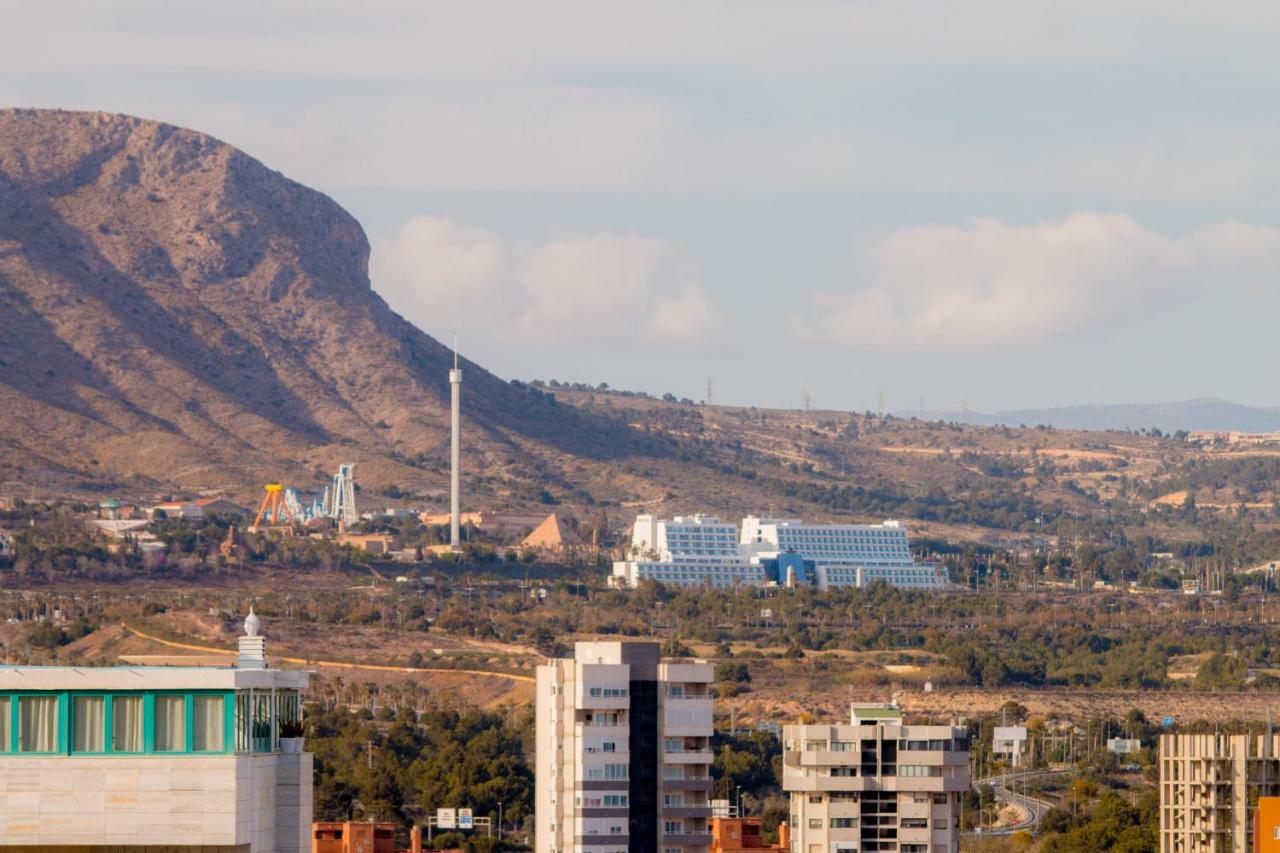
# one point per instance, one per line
(1002, 786)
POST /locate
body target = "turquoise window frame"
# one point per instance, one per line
(106, 722)
(15, 719)
(150, 718)
(65, 728)
(110, 739)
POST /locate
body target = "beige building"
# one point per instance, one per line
(1208, 787)
(623, 752)
(875, 784)
(170, 758)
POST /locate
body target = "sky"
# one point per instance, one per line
(985, 204)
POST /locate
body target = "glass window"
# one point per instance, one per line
(171, 724)
(38, 723)
(4, 724)
(126, 724)
(262, 721)
(244, 734)
(89, 721)
(206, 732)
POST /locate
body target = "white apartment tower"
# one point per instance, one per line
(623, 752)
(875, 784)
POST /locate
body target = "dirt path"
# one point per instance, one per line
(375, 667)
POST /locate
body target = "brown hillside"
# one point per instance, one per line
(172, 311)
(177, 317)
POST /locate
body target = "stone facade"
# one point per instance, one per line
(260, 801)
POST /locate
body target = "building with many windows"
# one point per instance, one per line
(836, 555)
(705, 551)
(691, 550)
(168, 758)
(623, 751)
(1210, 785)
(876, 784)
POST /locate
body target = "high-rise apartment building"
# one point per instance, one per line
(623, 751)
(875, 784)
(1208, 787)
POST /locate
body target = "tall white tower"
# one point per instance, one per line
(455, 388)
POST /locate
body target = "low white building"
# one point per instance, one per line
(1010, 743)
(164, 757)
(702, 550)
(1123, 745)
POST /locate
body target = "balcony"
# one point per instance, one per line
(686, 673)
(687, 839)
(933, 758)
(603, 703)
(832, 783)
(703, 810)
(613, 841)
(689, 756)
(687, 717)
(688, 783)
(603, 811)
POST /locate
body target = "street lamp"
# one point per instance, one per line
(739, 808)
(499, 818)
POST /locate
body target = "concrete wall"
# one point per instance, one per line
(263, 801)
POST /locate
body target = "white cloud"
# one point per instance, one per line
(620, 288)
(667, 99)
(991, 284)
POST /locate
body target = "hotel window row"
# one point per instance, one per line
(139, 723)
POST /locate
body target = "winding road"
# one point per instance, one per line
(1002, 786)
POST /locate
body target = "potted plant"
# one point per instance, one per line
(291, 736)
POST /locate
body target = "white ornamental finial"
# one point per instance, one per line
(251, 623)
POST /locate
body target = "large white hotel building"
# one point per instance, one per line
(702, 550)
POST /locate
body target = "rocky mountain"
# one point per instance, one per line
(1206, 413)
(173, 312)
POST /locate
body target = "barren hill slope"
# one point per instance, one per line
(173, 311)
(177, 317)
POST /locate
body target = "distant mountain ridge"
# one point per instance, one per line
(1200, 414)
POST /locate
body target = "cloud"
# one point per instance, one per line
(990, 284)
(675, 100)
(603, 287)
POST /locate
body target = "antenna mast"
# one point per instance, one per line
(455, 394)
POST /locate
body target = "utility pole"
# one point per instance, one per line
(710, 388)
(804, 395)
(880, 402)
